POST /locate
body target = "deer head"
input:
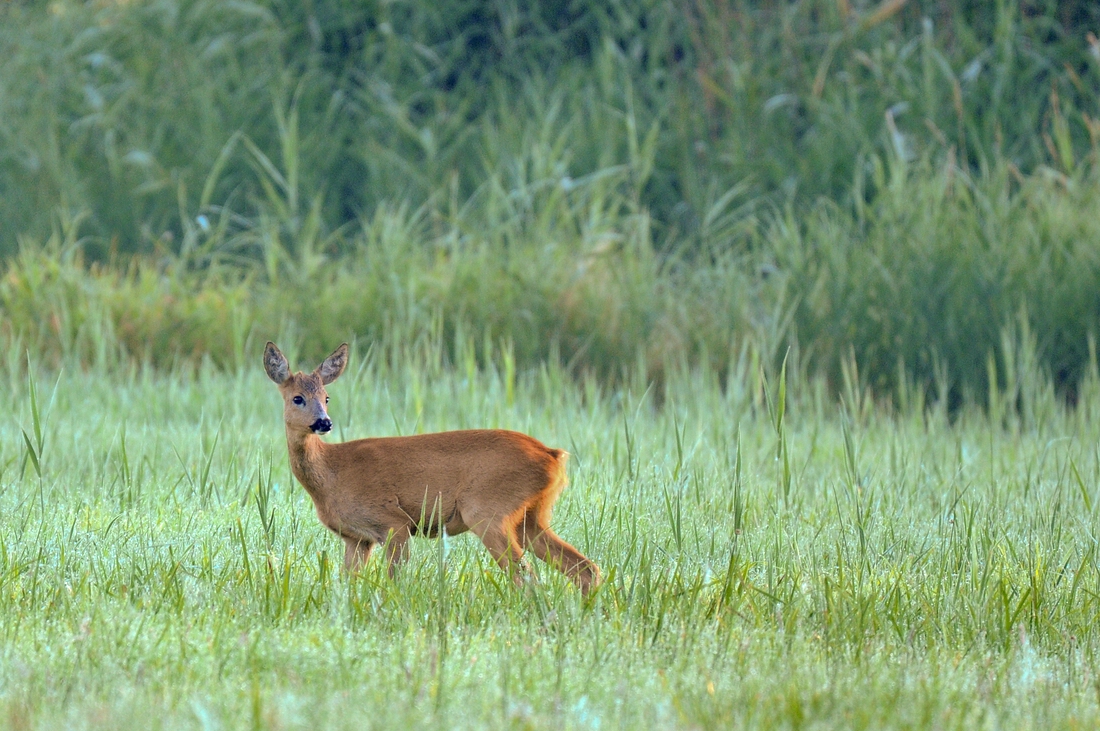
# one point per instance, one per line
(304, 397)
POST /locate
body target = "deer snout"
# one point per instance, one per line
(321, 426)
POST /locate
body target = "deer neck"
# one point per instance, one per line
(307, 461)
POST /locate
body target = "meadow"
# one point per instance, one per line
(808, 290)
(773, 558)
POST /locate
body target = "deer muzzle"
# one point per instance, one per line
(321, 426)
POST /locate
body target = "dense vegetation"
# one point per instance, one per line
(892, 189)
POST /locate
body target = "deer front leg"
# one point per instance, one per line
(395, 548)
(356, 553)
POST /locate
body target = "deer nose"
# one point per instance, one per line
(322, 426)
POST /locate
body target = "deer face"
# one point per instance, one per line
(304, 397)
(305, 403)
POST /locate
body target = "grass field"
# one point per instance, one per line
(604, 224)
(773, 559)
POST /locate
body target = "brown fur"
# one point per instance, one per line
(500, 484)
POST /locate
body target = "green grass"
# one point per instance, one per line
(808, 291)
(896, 186)
(159, 566)
(932, 284)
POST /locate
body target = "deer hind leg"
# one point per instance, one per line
(356, 552)
(499, 536)
(535, 533)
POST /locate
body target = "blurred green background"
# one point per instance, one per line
(905, 194)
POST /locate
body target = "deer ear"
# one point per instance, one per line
(275, 364)
(334, 365)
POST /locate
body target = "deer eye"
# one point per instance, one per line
(298, 400)
(326, 399)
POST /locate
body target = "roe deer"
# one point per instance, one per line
(500, 484)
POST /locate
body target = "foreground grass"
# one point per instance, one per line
(834, 568)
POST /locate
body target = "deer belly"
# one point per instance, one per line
(455, 526)
(354, 524)
(427, 522)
